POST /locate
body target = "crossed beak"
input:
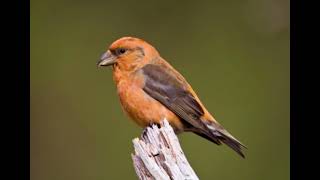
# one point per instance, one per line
(107, 59)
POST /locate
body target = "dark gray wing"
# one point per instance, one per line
(163, 85)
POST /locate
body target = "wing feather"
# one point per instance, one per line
(161, 84)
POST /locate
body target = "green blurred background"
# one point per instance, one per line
(234, 53)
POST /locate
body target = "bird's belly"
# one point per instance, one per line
(145, 110)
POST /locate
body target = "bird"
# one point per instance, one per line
(150, 90)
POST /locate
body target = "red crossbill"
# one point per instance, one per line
(150, 90)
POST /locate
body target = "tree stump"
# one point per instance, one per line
(158, 155)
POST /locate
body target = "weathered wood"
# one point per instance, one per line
(158, 155)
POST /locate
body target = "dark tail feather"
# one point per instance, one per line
(232, 143)
(222, 135)
(209, 138)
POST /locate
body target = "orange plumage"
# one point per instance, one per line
(150, 89)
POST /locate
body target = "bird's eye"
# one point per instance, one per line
(120, 51)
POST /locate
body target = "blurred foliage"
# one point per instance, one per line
(234, 53)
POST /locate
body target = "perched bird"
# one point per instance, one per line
(150, 89)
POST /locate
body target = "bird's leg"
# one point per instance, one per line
(150, 124)
(158, 125)
(144, 132)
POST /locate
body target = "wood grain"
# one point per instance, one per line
(158, 155)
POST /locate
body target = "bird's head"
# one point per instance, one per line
(128, 53)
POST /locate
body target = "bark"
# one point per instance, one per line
(158, 155)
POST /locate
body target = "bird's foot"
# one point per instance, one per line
(145, 130)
